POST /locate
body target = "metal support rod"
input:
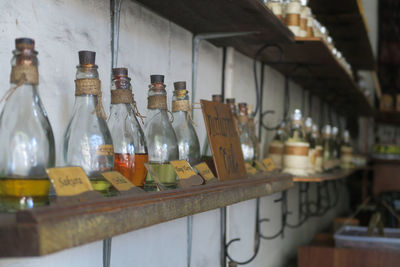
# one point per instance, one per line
(189, 239)
(223, 237)
(195, 51)
(115, 16)
(107, 252)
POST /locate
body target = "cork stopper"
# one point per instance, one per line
(180, 85)
(120, 72)
(87, 57)
(230, 100)
(24, 43)
(217, 98)
(157, 78)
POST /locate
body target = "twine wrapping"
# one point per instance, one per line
(181, 105)
(157, 102)
(91, 86)
(27, 72)
(121, 96)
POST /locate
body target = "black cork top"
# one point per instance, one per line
(230, 100)
(217, 98)
(180, 85)
(157, 78)
(120, 72)
(87, 57)
(24, 43)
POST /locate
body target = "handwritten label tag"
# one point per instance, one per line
(260, 166)
(69, 181)
(204, 171)
(118, 180)
(250, 169)
(182, 169)
(269, 164)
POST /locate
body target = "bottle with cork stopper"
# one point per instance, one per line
(130, 149)
(160, 136)
(188, 142)
(246, 141)
(87, 139)
(26, 137)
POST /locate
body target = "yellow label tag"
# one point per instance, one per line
(250, 169)
(204, 171)
(118, 180)
(105, 150)
(260, 166)
(269, 164)
(182, 169)
(69, 181)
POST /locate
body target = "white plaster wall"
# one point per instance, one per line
(150, 44)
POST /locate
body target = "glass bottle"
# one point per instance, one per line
(275, 149)
(160, 136)
(346, 151)
(130, 149)
(252, 131)
(188, 142)
(310, 138)
(206, 154)
(26, 137)
(318, 149)
(246, 142)
(87, 139)
(327, 145)
(336, 145)
(296, 133)
(232, 106)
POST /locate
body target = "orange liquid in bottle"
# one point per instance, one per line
(131, 166)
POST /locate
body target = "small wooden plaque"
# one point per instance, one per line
(118, 180)
(69, 181)
(269, 164)
(182, 169)
(250, 169)
(204, 171)
(224, 141)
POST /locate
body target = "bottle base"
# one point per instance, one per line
(150, 186)
(13, 204)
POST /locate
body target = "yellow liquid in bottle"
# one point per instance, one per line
(23, 193)
(165, 173)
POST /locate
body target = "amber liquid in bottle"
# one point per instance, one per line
(132, 167)
(22, 193)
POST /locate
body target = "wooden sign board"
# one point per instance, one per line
(224, 141)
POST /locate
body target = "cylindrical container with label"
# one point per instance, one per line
(295, 155)
(310, 24)
(276, 7)
(275, 152)
(318, 154)
(292, 17)
(303, 19)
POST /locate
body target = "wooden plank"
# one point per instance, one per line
(323, 177)
(216, 16)
(346, 24)
(321, 73)
(315, 256)
(64, 225)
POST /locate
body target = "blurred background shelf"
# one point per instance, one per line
(323, 177)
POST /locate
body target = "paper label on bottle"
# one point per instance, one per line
(204, 171)
(250, 169)
(118, 180)
(105, 150)
(182, 169)
(260, 166)
(69, 181)
(269, 164)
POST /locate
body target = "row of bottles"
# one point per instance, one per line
(91, 141)
(300, 150)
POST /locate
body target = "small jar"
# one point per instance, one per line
(303, 18)
(276, 7)
(292, 16)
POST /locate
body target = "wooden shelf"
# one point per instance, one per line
(64, 225)
(225, 16)
(323, 177)
(321, 73)
(346, 23)
(388, 117)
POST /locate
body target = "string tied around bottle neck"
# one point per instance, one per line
(123, 96)
(91, 86)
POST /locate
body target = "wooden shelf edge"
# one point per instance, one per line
(323, 177)
(57, 227)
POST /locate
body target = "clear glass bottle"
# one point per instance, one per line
(130, 149)
(160, 136)
(188, 142)
(87, 139)
(206, 154)
(252, 131)
(232, 106)
(308, 129)
(327, 145)
(246, 142)
(26, 137)
(296, 133)
(310, 138)
(318, 148)
(275, 149)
